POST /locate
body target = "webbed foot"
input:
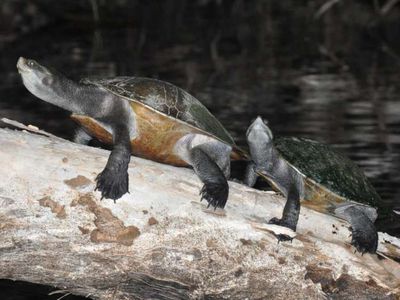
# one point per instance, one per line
(112, 184)
(203, 159)
(364, 240)
(363, 231)
(216, 194)
(282, 237)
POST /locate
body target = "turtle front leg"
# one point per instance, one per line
(364, 236)
(215, 189)
(251, 176)
(291, 211)
(113, 181)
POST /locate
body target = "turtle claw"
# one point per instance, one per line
(363, 242)
(281, 236)
(112, 185)
(215, 194)
(281, 222)
(202, 191)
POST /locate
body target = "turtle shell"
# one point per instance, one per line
(167, 99)
(164, 114)
(330, 177)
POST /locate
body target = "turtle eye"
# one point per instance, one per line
(30, 63)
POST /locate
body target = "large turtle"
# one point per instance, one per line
(314, 172)
(147, 117)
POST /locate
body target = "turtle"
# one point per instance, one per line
(321, 177)
(150, 118)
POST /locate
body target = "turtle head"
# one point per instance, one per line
(259, 131)
(259, 138)
(38, 79)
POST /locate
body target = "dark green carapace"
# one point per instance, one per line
(166, 99)
(313, 174)
(329, 168)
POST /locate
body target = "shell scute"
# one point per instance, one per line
(327, 171)
(168, 99)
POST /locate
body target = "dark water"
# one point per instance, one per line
(334, 80)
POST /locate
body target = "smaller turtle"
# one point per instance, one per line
(323, 178)
(150, 118)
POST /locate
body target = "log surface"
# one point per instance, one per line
(159, 241)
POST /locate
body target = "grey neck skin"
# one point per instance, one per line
(79, 98)
(261, 153)
(268, 161)
(53, 87)
(275, 168)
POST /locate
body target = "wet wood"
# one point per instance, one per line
(159, 241)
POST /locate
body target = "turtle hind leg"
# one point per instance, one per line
(113, 181)
(215, 189)
(364, 236)
(290, 215)
(81, 136)
(210, 160)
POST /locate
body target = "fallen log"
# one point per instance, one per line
(159, 241)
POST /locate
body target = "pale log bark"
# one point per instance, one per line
(159, 241)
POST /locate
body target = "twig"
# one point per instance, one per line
(95, 10)
(30, 128)
(388, 6)
(325, 7)
(66, 293)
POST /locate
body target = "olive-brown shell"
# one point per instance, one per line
(163, 114)
(167, 99)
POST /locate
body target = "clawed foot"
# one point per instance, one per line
(282, 237)
(215, 194)
(111, 184)
(364, 242)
